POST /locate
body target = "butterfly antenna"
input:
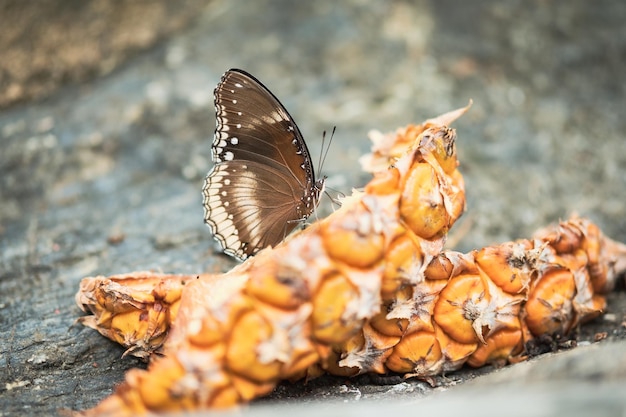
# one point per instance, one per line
(333, 199)
(325, 151)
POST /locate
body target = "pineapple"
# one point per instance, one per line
(281, 312)
(485, 306)
(368, 289)
(135, 309)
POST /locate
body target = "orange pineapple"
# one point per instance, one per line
(127, 308)
(237, 335)
(369, 289)
(483, 307)
(135, 309)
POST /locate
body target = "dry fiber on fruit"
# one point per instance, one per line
(368, 289)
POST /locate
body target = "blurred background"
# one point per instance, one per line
(106, 121)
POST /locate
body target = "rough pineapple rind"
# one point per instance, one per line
(485, 306)
(234, 343)
(366, 290)
(129, 308)
(135, 309)
(473, 308)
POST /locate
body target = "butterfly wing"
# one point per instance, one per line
(263, 181)
(252, 125)
(248, 206)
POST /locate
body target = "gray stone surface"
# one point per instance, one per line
(47, 43)
(104, 177)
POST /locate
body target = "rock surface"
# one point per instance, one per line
(104, 176)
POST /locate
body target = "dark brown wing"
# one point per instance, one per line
(263, 182)
(252, 125)
(249, 206)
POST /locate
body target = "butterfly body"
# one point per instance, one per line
(263, 183)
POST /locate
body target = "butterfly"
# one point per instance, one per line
(263, 183)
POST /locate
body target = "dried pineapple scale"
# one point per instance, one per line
(369, 289)
(485, 306)
(236, 335)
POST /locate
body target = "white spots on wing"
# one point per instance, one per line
(222, 224)
(268, 119)
(219, 143)
(254, 218)
(215, 185)
(276, 116)
(232, 241)
(222, 205)
(234, 204)
(281, 114)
